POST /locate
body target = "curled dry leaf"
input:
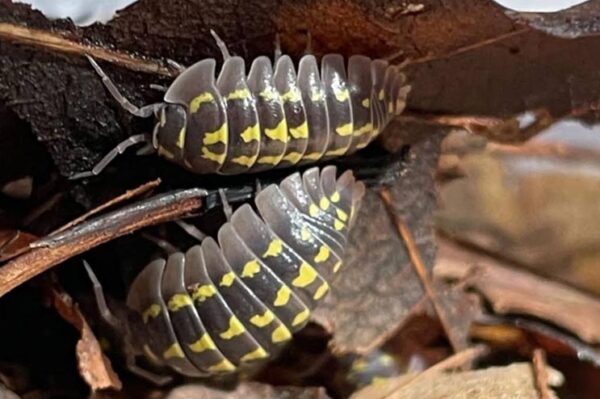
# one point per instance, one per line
(378, 286)
(94, 367)
(247, 390)
(514, 291)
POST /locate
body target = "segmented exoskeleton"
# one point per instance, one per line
(270, 118)
(221, 306)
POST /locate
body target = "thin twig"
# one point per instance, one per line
(35, 37)
(419, 266)
(57, 248)
(470, 47)
(540, 369)
(123, 197)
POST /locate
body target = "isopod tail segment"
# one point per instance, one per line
(271, 117)
(232, 303)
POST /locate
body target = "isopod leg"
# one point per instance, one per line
(108, 158)
(221, 45)
(227, 210)
(309, 47)
(277, 53)
(191, 230)
(176, 65)
(103, 308)
(159, 380)
(142, 112)
(161, 243)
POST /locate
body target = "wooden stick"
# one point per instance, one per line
(52, 41)
(55, 249)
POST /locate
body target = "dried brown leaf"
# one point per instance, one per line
(94, 367)
(514, 291)
(515, 382)
(536, 206)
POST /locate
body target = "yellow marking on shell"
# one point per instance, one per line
(151, 312)
(218, 136)
(313, 156)
(300, 132)
(283, 296)
(163, 117)
(364, 129)
(359, 365)
(293, 157)
(239, 94)
(343, 216)
(202, 98)
(362, 145)
(306, 275)
(338, 224)
(381, 95)
(323, 254)
(162, 151)
(279, 132)
(204, 292)
(400, 105)
(366, 102)
(293, 95)
(337, 266)
(305, 233)
(341, 95)
(227, 279)
(251, 133)
(245, 160)
(213, 156)
(316, 95)
(301, 317)
(321, 291)
(173, 351)
(269, 94)
(274, 249)
(179, 301)
(390, 107)
(258, 353)
(313, 210)
(250, 269)
(338, 152)
(224, 365)
(235, 328)
(378, 380)
(324, 203)
(335, 197)
(281, 334)
(205, 343)
(271, 160)
(262, 320)
(345, 130)
(181, 138)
